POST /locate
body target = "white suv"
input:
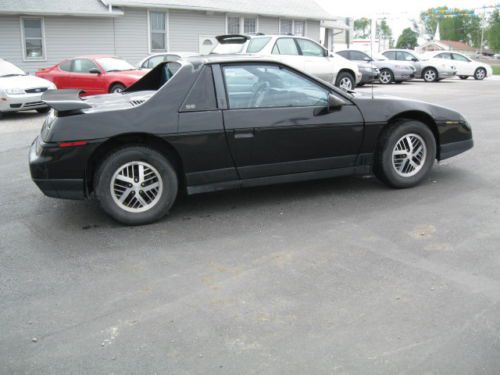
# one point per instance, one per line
(301, 53)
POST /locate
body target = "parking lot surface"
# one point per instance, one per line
(339, 276)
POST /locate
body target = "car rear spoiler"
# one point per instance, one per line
(232, 39)
(65, 101)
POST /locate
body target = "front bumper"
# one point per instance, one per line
(449, 150)
(24, 102)
(56, 171)
(368, 77)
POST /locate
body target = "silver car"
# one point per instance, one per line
(388, 71)
(300, 52)
(431, 70)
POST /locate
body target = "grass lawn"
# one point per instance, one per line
(496, 69)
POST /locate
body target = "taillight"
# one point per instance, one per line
(72, 144)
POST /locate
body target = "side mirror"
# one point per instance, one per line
(334, 103)
(95, 71)
(414, 59)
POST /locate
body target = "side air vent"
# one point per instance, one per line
(136, 101)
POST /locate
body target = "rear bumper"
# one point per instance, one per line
(49, 169)
(368, 77)
(454, 148)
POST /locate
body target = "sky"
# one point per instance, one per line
(397, 12)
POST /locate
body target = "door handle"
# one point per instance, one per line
(243, 134)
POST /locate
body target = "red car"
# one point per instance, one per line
(96, 74)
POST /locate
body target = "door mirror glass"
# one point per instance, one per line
(334, 103)
(95, 71)
(414, 59)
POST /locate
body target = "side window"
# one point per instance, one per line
(285, 46)
(391, 55)
(309, 48)
(201, 97)
(359, 56)
(446, 56)
(404, 56)
(458, 57)
(271, 87)
(65, 66)
(257, 44)
(83, 66)
(345, 54)
(153, 61)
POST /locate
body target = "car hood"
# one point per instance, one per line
(24, 82)
(382, 108)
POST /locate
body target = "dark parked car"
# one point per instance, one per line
(223, 122)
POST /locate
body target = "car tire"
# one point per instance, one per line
(480, 74)
(463, 77)
(345, 81)
(430, 75)
(386, 76)
(124, 194)
(393, 166)
(116, 88)
(43, 110)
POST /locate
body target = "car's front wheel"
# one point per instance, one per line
(386, 76)
(405, 154)
(345, 81)
(136, 185)
(430, 75)
(480, 74)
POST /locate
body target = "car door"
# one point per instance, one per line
(463, 65)
(316, 60)
(279, 124)
(81, 78)
(408, 57)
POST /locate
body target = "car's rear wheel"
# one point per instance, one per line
(136, 185)
(43, 110)
(345, 81)
(480, 74)
(386, 76)
(405, 154)
(463, 77)
(117, 87)
(430, 75)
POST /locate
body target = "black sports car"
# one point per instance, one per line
(219, 122)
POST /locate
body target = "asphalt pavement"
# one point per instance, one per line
(339, 276)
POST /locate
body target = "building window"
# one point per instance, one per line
(158, 31)
(292, 27)
(241, 25)
(286, 27)
(249, 25)
(233, 25)
(33, 38)
(299, 28)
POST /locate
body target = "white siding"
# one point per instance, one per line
(10, 40)
(186, 28)
(313, 30)
(131, 35)
(268, 25)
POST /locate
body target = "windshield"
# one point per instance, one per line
(112, 64)
(9, 70)
(228, 48)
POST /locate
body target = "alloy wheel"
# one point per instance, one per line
(385, 77)
(345, 83)
(480, 73)
(409, 155)
(136, 186)
(430, 75)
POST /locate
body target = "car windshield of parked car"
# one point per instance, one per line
(9, 70)
(267, 86)
(228, 48)
(257, 44)
(111, 64)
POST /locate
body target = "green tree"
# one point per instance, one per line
(407, 39)
(361, 28)
(493, 32)
(454, 24)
